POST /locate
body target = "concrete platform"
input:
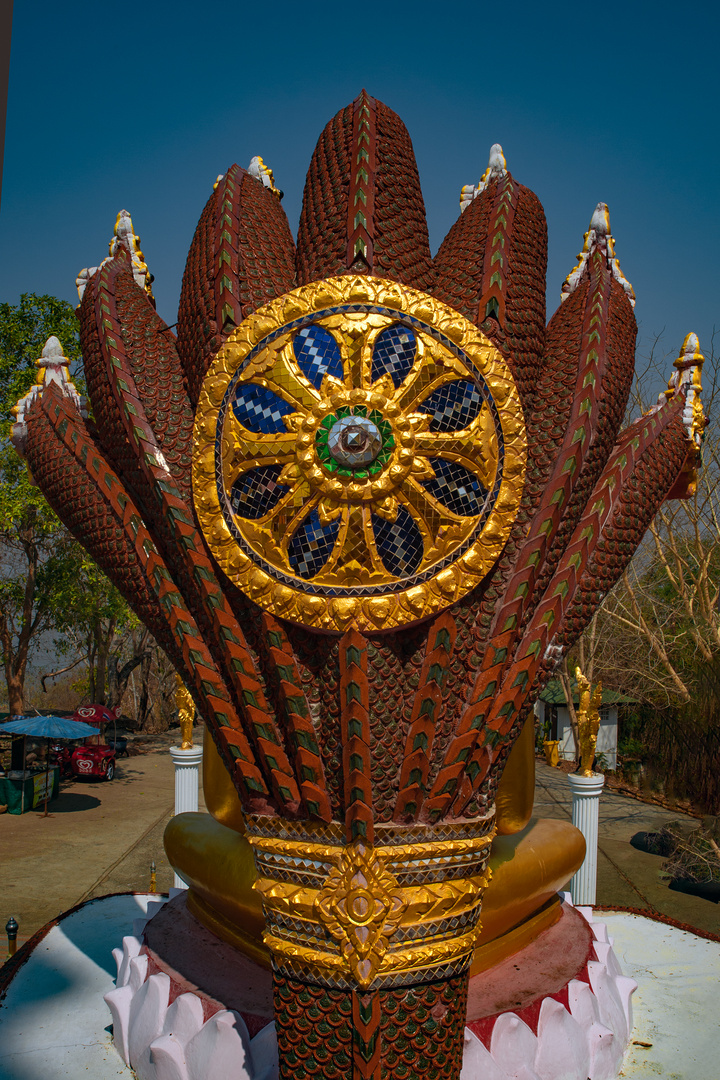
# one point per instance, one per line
(54, 1023)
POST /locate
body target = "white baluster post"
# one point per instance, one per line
(187, 779)
(586, 792)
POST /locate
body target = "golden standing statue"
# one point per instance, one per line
(588, 721)
(186, 713)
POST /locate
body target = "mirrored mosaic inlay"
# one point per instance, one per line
(354, 440)
(453, 406)
(317, 354)
(257, 492)
(394, 354)
(399, 543)
(260, 410)
(311, 546)
(456, 488)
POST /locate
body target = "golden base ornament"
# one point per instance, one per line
(359, 455)
(403, 910)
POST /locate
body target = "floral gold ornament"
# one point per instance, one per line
(371, 915)
(355, 441)
(360, 906)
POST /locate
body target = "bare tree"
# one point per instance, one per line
(662, 620)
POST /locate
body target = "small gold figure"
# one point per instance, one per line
(186, 713)
(588, 721)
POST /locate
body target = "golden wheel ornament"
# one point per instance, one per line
(359, 455)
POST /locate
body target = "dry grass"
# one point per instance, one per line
(691, 857)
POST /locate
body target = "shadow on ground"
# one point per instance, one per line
(70, 802)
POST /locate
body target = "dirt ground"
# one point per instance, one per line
(100, 837)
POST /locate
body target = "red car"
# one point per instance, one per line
(93, 760)
(94, 757)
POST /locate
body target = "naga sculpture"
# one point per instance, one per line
(366, 500)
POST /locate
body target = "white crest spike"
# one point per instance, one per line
(264, 174)
(497, 168)
(52, 352)
(53, 367)
(687, 378)
(598, 238)
(125, 237)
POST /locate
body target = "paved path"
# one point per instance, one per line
(628, 877)
(99, 838)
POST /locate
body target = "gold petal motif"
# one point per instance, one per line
(340, 913)
(361, 906)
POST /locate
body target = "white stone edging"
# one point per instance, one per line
(160, 1041)
(586, 1042)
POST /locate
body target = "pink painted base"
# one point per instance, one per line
(197, 962)
(559, 1008)
(188, 1006)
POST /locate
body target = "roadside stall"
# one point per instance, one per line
(96, 757)
(24, 789)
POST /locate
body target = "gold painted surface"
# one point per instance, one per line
(552, 752)
(457, 551)
(186, 712)
(588, 719)
(396, 853)
(516, 790)
(219, 792)
(218, 865)
(528, 869)
(354, 894)
(361, 906)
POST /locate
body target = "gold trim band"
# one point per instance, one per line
(341, 915)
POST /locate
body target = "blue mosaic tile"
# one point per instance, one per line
(399, 543)
(453, 406)
(311, 546)
(260, 410)
(394, 354)
(317, 354)
(257, 492)
(456, 488)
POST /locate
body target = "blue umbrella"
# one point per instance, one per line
(47, 727)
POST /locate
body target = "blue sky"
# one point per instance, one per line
(140, 106)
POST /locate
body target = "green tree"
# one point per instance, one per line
(33, 543)
(96, 624)
(47, 581)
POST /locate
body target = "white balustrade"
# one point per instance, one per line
(586, 792)
(187, 780)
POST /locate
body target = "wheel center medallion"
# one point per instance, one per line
(354, 440)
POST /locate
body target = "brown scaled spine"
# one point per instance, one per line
(396, 1034)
